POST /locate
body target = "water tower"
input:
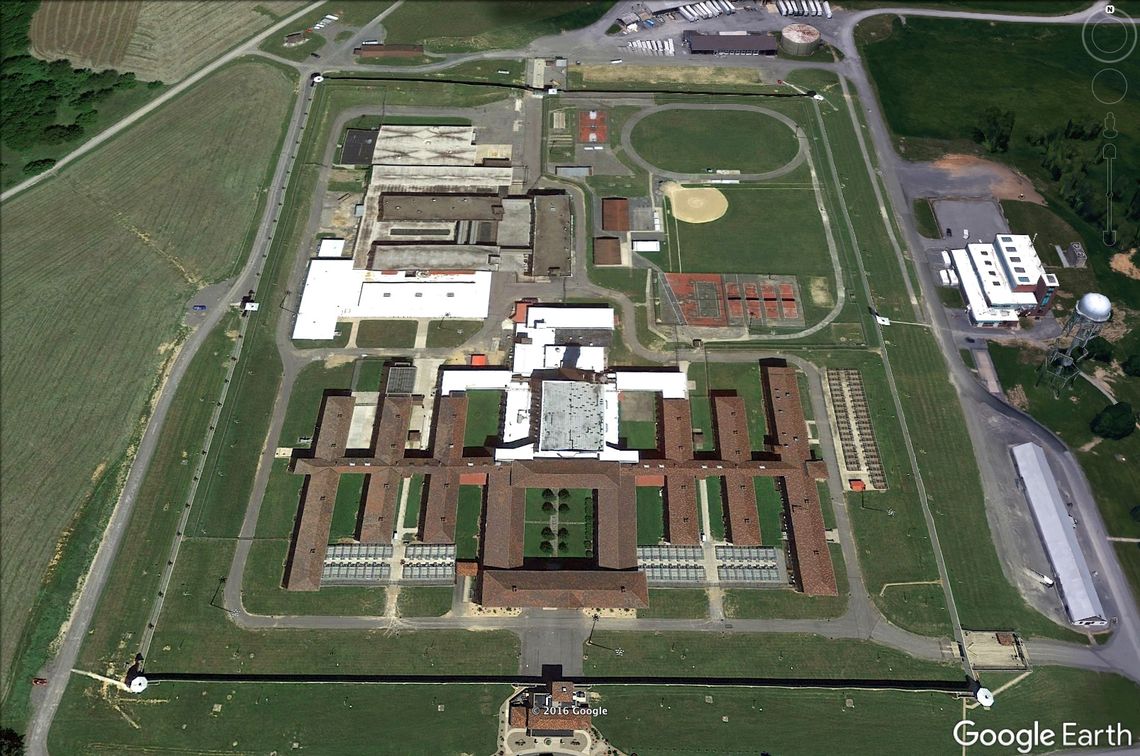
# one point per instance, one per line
(1060, 365)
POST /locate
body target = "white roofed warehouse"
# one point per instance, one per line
(1058, 533)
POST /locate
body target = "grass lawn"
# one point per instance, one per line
(195, 634)
(451, 333)
(679, 141)
(629, 281)
(424, 601)
(950, 297)
(139, 234)
(577, 520)
(769, 508)
(769, 230)
(1050, 229)
(262, 592)
(393, 334)
(305, 400)
(484, 417)
(715, 488)
(697, 654)
(346, 509)
(650, 515)
(678, 603)
(369, 374)
(415, 499)
(414, 719)
(741, 378)
(924, 219)
(465, 25)
(638, 434)
(469, 512)
(658, 721)
(1129, 556)
(764, 603)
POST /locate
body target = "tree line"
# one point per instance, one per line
(1069, 153)
(47, 103)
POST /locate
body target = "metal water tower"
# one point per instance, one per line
(1060, 365)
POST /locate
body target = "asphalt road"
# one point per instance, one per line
(1121, 654)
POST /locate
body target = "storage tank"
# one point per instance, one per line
(799, 39)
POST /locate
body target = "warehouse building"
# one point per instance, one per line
(730, 43)
(1058, 532)
(1003, 281)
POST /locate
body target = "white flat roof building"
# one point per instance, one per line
(579, 417)
(1003, 278)
(331, 248)
(335, 290)
(1058, 532)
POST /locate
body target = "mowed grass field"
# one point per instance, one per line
(693, 141)
(461, 25)
(656, 721)
(768, 229)
(349, 719)
(164, 41)
(97, 270)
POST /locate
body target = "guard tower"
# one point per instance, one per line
(1060, 365)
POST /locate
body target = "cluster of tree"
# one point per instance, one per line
(1132, 365)
(1100, 349)
(1115, 421)
(46, 103)
(994, 129)
(1068, 153)
(11, 742)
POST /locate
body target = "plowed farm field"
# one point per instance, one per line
(156, 40)
(98, 269)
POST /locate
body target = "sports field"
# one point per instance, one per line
(98, 268)
(695, 141)
(462, 25)
(768, 228)
(164, 41)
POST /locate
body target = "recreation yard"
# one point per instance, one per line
(680, 140)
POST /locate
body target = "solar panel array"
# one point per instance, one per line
(355, 573)
(688, 573)
(740, 574)
(430, 573)
(358, 552)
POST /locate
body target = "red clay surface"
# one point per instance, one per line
(712, 300)
(592, 130)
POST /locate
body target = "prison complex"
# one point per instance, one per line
(560, 432)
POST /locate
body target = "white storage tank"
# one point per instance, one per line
(799, 39)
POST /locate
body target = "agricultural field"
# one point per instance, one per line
(136, 231)
(90, 35)
(665, 721)
(466, 25)
(413, 719)
(681, 141)
(163, 41)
